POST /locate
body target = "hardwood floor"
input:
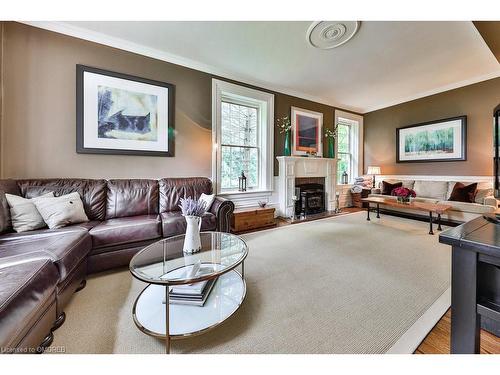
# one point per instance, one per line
(438, 340)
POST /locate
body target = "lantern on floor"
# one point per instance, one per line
(345, 178)
(242, 182)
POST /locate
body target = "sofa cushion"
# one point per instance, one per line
(126, 230)
(431, 189)
(387, 187)
(406, 183)
(173, 223)
(4, 238)
(92, 192)
(484, 190)
(24, 214)
(28, 288)
(58, 212)
(10, 187)
(66, 249)
(131, 198)
(463, 193)
(482, 194)
(173, 189)
(208, 200)
(475, 208)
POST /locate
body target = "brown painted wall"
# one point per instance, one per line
(282, 106)
(39, 116)
(476, 101)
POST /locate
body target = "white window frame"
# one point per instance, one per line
(355, 142)
(265, 103)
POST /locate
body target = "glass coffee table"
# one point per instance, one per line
(163, 265)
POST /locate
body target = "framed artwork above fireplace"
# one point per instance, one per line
(306, 132)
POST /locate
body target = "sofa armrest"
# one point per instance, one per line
(491, 201)
(223, 209)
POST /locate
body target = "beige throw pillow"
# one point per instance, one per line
(208, 199)
(60, 211)
(23, 213)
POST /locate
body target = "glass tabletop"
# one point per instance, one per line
(164, 262)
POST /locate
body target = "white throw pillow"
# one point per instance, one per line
(208, 199)
(23, 213)
(60, 211)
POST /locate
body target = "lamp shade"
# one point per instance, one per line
(373, 170)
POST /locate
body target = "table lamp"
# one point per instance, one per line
(373, 171)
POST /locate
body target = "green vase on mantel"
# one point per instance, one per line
(288, 143)
(331, 147)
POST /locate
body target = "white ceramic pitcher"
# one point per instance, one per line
(192, 241)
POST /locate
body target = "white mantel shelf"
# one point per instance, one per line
(292, 167)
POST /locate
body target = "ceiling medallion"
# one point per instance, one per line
(331, 34)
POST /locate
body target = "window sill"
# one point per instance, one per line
(247, 198)
(237, 193)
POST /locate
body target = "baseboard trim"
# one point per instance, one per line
(411, 339)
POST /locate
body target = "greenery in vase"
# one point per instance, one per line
(284, 124)
(329, 133)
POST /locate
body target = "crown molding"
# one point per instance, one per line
(439, 90)
(125, 45)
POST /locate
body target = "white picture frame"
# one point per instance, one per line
(307, 132)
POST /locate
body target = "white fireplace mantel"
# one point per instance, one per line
(292, 167)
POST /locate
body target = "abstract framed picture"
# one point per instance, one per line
(123, 114)
(306, 132)
(439, 140)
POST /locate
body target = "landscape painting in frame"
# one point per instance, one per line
(306, 132)
(122, 114)
(439, 140)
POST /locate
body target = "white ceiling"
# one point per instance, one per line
(384, 64)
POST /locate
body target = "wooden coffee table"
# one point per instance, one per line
(431, 208)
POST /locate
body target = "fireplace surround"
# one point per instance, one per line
(296, 170)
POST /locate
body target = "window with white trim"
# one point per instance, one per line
(344, 153)
(240, 151)
(349, 145)
(243, 128)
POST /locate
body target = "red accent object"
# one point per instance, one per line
(403, 192)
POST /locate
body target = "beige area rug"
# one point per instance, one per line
(337, 285)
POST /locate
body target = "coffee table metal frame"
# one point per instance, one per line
(167, 283)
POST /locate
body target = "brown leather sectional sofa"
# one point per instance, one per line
(40, 270)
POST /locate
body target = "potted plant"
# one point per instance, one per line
(403, 194)
(330, 137)
(192, 211)
(285, 127)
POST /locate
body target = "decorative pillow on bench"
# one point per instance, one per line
(23, 213)
(463, 193)
(387, 187)
(58, 212)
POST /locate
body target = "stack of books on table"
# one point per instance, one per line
(191, 294)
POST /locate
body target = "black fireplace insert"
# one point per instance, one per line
(311, 199)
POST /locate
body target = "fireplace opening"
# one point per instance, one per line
(310, 199)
